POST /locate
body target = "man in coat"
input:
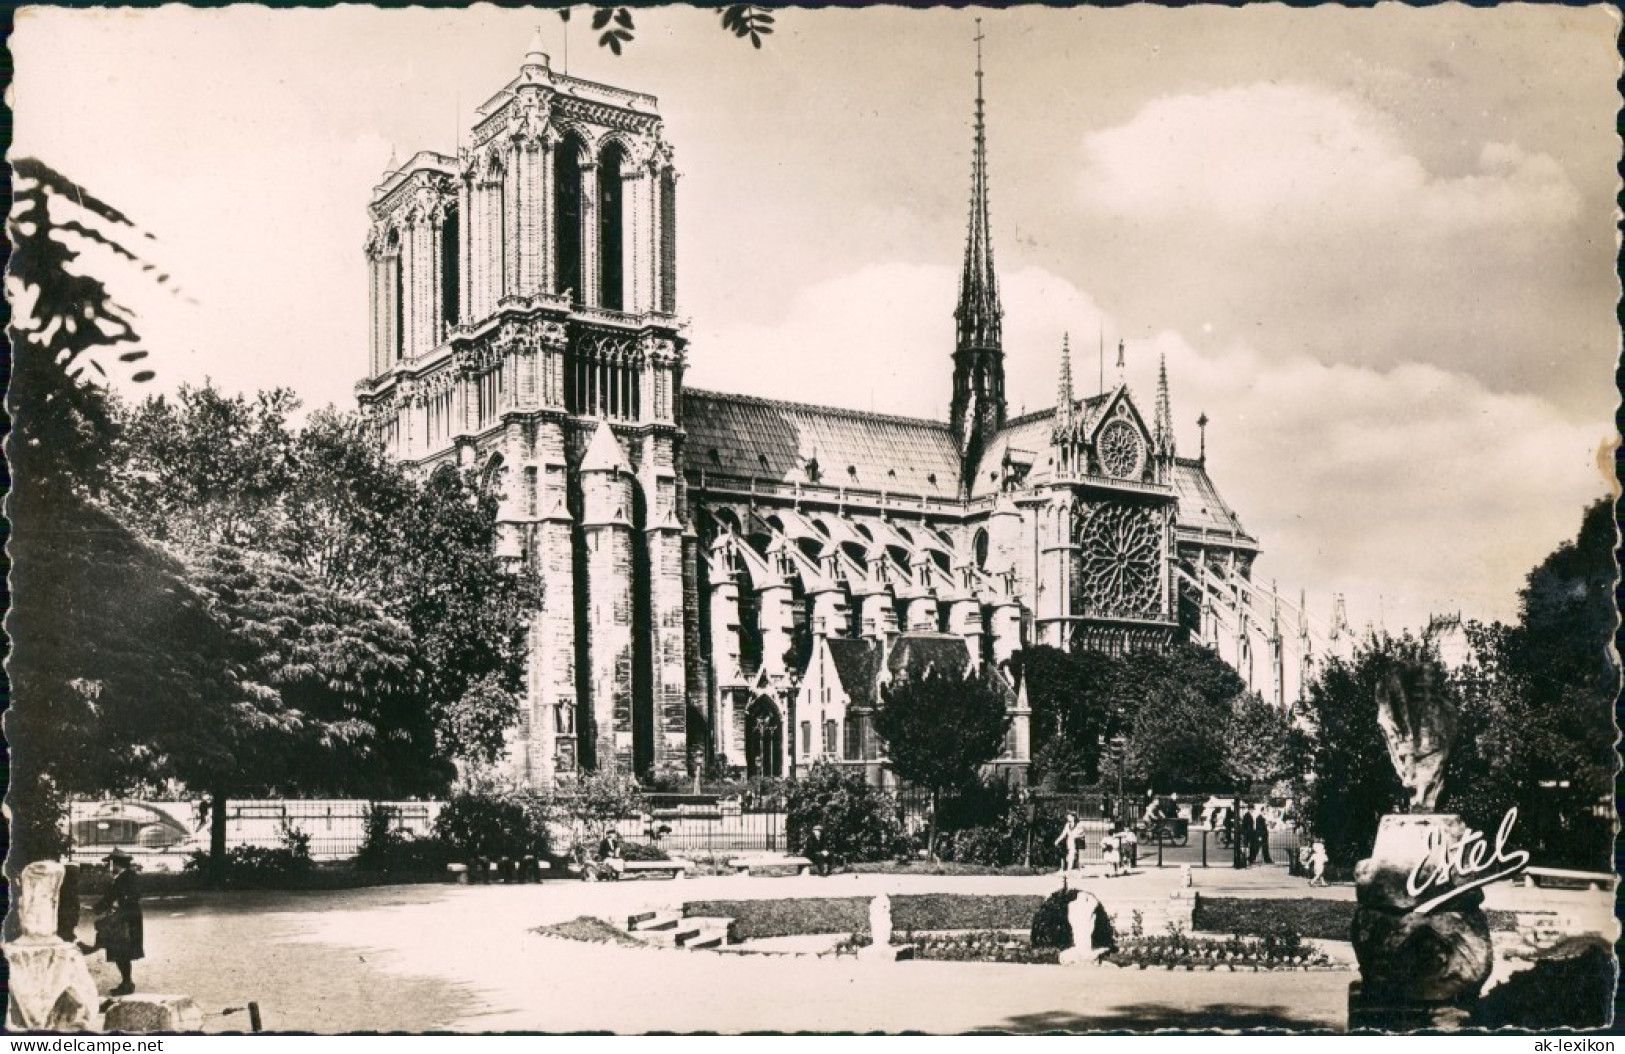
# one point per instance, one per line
(120, 927)
(817, 851)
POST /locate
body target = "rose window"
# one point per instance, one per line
(1120, 568)
(1120, 449)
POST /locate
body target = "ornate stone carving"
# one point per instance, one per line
(527, 121)
(1418, 723)
(1120, 566)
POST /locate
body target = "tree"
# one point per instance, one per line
(1255, 743)
(1176, 706)
(1349, 779)
(90, 604)
(614, 24)
(1073, 699)
(327, 504)
(860, 822)
(940, 728)
(1537, 727)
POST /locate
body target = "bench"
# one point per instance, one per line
(482, 871)
(753, 864)
(675, 868)
(1556, 876)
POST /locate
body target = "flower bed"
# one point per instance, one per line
(1177, 950)
(988, 946)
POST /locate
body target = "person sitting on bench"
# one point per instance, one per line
(817, 850)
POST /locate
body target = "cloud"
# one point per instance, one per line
(1282, 153)
(1412, 489)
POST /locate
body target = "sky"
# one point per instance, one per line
(1375, 247)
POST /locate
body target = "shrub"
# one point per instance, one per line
(493, 823)
(860, 822)
(387, 850)
(1050, 926)
(990, 825)
(1052, 929)
(287, 866)
(597, 799)
(641, 851)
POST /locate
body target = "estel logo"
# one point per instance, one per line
(1467, 860)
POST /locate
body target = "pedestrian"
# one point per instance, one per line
(120, 927)
(1317, 863)
(817, 851)
(1261, 826)
(1128, 846)
(1111, 850)
(1072, 835)
(1252, 824)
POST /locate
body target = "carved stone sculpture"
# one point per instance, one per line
(1419, 724)
(1080, 915)
(51, 987)
(1424, 954)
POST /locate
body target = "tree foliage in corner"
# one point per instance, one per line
(1537, 707)
(615, 29)
(940, 728)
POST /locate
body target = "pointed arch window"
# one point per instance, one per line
(611, 208)
(567, 217)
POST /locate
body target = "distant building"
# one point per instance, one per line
(730, 577)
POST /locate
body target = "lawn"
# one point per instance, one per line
(1320, 919)
(587, 928)
(931, 911)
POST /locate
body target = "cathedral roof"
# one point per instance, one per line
(915, 654)
(744, 436)
(1200, 507)
(857, 666)
(1028, 438)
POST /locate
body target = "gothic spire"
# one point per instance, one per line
(1063, 398)
(1165, 415)
(979, 313)
(977, 410)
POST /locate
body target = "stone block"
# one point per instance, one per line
(154, 1013)
(1366, 1012)
(1403, 841)
(50, 988)
(1440, 957)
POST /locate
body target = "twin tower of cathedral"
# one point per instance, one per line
(728, 579)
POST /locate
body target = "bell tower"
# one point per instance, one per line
(977, 410)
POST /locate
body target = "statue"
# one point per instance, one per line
(880, 921)
(51, 987)
(1419, 725)
(880, 933)
(1424, 953)
(1080, 916)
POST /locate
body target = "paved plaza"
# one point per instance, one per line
(441, 957)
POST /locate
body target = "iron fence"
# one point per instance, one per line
(162, 834)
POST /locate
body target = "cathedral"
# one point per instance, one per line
(731, 580)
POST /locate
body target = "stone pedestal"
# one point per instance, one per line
(1418, 969)
(51, 987)
(886, 953)
(1387, 1016)
(154, 1013)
